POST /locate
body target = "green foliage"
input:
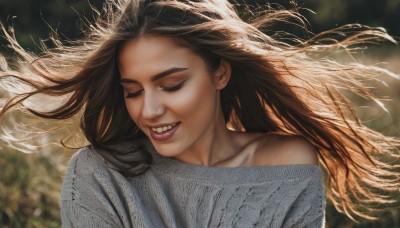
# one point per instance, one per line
(34, 20)
(29, 190)
(375, 118)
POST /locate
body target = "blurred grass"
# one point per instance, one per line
(30, 184)
(29, 190)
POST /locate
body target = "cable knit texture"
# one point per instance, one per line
(177, 194)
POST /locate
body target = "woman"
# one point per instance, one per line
(196, 118)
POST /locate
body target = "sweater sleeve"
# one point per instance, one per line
(307, 209)
(84, 202)
(319, 222)
(75, 215)
(316, 215)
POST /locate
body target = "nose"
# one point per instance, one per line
(153, 106)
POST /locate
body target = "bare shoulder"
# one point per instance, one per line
(273, 149)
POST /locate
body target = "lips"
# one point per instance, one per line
(163, 132)
(163, 128)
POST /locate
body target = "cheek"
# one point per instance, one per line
(196, 103)
(133, 108)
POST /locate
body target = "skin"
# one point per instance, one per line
(202, 137)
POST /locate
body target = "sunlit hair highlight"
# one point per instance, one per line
(282, 87)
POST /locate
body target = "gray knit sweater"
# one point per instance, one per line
(177, 194)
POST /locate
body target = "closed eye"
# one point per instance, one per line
(174, 88)
(135, 94)
(166, 88)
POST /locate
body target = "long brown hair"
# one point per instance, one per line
(274, 87)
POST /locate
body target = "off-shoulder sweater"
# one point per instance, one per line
(172, 193)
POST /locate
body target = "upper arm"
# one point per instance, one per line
(285, 150)
(75, 215)
(85, 199)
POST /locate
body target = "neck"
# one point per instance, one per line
(215, 146)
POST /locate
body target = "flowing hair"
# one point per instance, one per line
(282, 87)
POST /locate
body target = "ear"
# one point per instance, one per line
(222, 75)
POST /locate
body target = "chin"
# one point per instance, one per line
(166, 150)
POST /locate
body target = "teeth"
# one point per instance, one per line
(163, 129)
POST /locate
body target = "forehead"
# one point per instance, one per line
(149, 55)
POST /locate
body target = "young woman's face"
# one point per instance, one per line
(169, 93)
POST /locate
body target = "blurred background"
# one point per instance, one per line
(30, 183)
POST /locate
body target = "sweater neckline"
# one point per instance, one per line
(243, 174)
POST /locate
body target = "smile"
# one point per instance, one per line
(163, 133)
(163, 128)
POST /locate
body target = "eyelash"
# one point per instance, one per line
(168, 89)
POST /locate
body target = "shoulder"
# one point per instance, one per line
(86, 160)
(88, 192)
(274, 149)
(82, 165)
(87, 172)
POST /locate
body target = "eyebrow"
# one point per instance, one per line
(157, 76)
